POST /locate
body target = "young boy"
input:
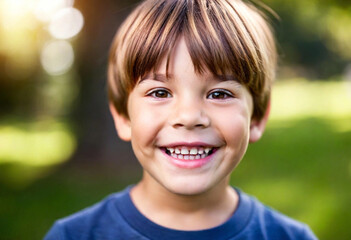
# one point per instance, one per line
(189, 85)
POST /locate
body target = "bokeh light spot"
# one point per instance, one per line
(45, 9)
(57, 57)
(44, 147)
(66, 23)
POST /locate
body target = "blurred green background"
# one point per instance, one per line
(59, 152)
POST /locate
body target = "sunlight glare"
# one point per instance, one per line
(57, 57)
(66, 23)
(298, 98)
(45, 9)
(43, 147)
(13, 13)
(347, 76)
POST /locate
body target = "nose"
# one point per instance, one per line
(189, 113)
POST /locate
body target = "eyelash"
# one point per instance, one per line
(225, 94)
(153, 93)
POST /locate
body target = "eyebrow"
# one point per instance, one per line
(163, 78)
(157, 77)
(226, 78)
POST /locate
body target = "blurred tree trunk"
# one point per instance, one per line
(97, 139)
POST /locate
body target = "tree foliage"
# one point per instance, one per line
(314, 36)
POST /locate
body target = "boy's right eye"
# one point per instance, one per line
(159, 93)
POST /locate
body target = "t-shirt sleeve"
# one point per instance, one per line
(55, 233)
(307, 234)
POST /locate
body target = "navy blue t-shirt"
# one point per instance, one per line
(116, 217)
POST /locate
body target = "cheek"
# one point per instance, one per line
(146, 123)
(236, 132)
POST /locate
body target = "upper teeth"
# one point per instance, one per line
(189, 151)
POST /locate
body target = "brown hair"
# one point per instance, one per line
(223, 36)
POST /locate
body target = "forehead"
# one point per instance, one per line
(179, 60)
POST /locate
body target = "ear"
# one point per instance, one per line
(122, 124)
(257, 127)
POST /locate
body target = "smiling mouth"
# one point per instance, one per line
(189, 153)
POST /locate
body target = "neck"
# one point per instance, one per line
(185, 212)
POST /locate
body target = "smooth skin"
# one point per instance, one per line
(188, 109)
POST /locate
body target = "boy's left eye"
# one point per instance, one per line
(220, 94)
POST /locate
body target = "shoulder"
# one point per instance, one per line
(89, 221)
(267, 223)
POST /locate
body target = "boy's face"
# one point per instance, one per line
(188, 131)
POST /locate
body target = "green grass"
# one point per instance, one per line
(35, 143)
(301, 166)
(28, 213)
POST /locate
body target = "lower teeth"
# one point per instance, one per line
(188, 157)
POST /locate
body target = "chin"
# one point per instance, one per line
(187, 191)
(189, 188)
